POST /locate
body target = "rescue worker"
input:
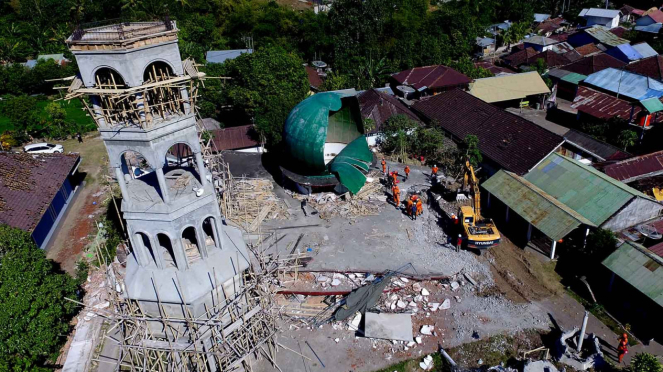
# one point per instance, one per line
(408, 209)
(622, 349)
(420, 207)
(413, 210)
(407, 172)
(396, 192)
(394, 175)
(433, 171)
(384, 166)
(421, 158)
(459, 243)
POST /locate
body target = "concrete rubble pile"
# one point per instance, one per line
(590, 357)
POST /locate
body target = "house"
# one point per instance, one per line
(625, 53)
(551, 26)
(603, 17)
(485, 46)
(594, 63)
(59, 58)
(588, 50)
(587, 150)
(506, 141)
(379, 107)
(498, 28)
(650, 18)
(618, 31)
(519, 58)
(603, 106)
(35, 191)
(651, 67)
(428, 80)
(630, 14)
(644, 172)
(511, 90)
(314, 78)
(596, 35)
(243, 138)
(565, 82)
(645, 50)
(562, 197)
(220, 56)
(539, 43)
(654, 28)
(538, 17)
(208, 124)
(635, 287)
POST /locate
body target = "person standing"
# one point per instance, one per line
(414, 211)
(459, 243)
(622, 349)
(420, 207)
(408, 208)
(396, 192)
(394, 175)
(304, 201)
(384, 166)
(407, 172)
(79, 137)
(433, 171)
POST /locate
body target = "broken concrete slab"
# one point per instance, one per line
(388, 326)
(353, 325)
(446, 304)
(470, 279)
(427, 330)
(454, 286)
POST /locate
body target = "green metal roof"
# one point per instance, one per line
(639, 267)
(574, 78)
(584, 189)
(652, 105)
(551, 217)
(352, 163)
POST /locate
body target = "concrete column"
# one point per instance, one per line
(201, 169)
(200, 236)
(162, 185)
(584, 244)
(552, 249)
(123, 184)
(158, 253)
(507, 214)
(96, 107)
(185, 99)
(581, 336)
(140, 250)
(128, 175)
(180, 256)
(140, 105)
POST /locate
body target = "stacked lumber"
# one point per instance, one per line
(249, 201)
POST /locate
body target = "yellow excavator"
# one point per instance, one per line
(480, 233)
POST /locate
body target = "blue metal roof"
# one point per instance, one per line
(645, 50)
(220, 56)
(653, 28)
(538, 17)
(625, 52)
(626, 84)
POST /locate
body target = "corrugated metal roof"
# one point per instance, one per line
(539, 17)
(558, 73)
(652, 105)
(432, 77)
(574, 78)
(594, 63)
(485, 41)
(640, 268)
(645, 50)
(604, 36)
(508, 87)
(584, 189)
(633, 169)
(540, 40)
(603, 106)
(598, 12)
(652, 67)
(220, 56)
(653, 28)
(625, 52)
(551, 217)
(626, 84)
(601, 150)
(657, 249)
(235, 138)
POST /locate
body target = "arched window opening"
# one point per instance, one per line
(113, 108)
(209, 230)
(190, 243)
(144, 241)
(183, 177)
(166, 247)
(142, 182)
(163, 99)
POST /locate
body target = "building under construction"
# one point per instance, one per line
(191, 297)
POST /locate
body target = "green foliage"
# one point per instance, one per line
(82, 269)
(600, 244)
(403, 136)
(466, 66)
(516, 32)
(22, 112)
(265, 86)
(34, 315)
(336, 81)
(645, 362)
(471, 149)
(627, 138)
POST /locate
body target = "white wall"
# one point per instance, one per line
(637, 211)
(256, 149)
(603, 21)
(332, 149)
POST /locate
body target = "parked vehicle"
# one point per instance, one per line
(43, 148)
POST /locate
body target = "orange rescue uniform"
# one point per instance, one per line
(420, 208)
(409, 207)
(434, 171)
(397, 195)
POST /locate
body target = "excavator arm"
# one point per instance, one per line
(470, 180)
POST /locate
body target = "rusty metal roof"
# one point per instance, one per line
(235, 138)
(431, 77)
(543, 211)
(639, 267)
(379, 107)
(636, 168)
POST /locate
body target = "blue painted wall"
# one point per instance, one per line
(51, 214)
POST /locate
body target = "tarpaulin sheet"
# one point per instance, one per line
(361, 299)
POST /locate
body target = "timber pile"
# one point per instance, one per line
(249, 201)
(367, 202)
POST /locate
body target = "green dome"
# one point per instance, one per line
(329, 117)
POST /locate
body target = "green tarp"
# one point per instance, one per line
(652, 105)
(574, 78)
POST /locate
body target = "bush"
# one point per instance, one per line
(645, 362)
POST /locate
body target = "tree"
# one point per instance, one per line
(466, 66)
(471, 150)
(645, 362)
(336, 81)
(22, 112)
(398, 135)
(627, 138)
(264, 87)
(429, 142)
(600, 244)
(34, 314)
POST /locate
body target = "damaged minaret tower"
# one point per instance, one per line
(186, 268)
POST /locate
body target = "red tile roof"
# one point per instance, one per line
(657, 249)
(492, 68)
(594, 63)
(619, 31)
(512, 142)
(314, 80)
(560, 37)
(601, 105)
(550, 25)
(235, 138)
(588, 49)
(635, 168)
(553, 59)
(434, 77)
(28, 184)
(656, 15)
(652, 67)
(379, 107)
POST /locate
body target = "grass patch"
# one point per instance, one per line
(412, 365)
(598, 311)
